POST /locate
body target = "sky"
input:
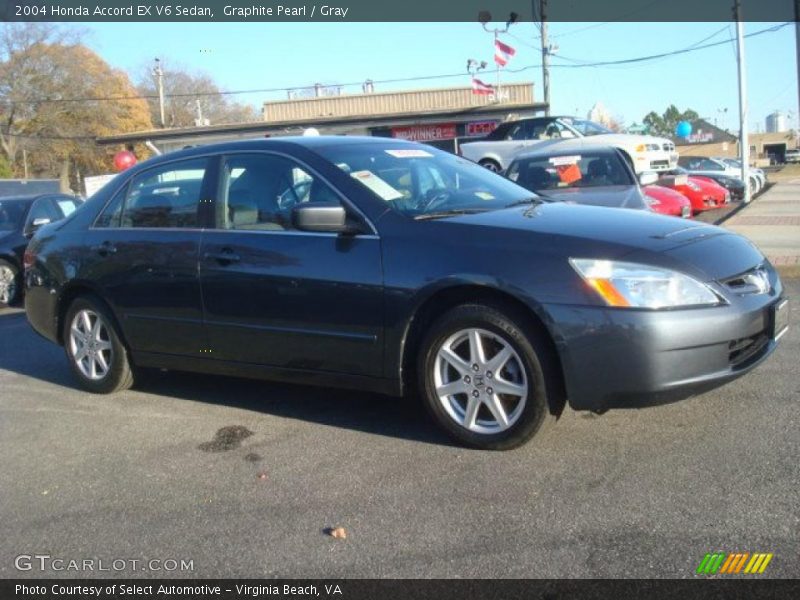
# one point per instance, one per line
(246, 56)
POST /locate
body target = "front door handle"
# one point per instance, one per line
(222, 257)
(105, 249)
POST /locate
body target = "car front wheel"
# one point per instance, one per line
(9, 284)
(95, 352)
(483, 379)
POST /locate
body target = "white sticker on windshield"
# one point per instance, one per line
(413, 153)
(376, 184)
(558, 161)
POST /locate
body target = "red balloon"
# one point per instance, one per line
(124, 160)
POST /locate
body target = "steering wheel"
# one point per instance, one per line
(291, 197)
(433, 198)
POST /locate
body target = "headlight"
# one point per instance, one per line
(633, 285)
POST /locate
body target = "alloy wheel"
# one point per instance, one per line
(480, 381)
(90, 345)
(8, 284)
(492, 166)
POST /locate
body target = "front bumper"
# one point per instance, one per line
(623, 358)
(655, 160)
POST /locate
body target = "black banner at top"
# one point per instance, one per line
(407, 10)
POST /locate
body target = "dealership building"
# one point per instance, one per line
(709, 140)
(443, 117)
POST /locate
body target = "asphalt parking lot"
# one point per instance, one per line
(242, 477)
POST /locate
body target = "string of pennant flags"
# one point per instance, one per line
(502, 54)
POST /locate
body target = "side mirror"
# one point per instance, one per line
(322, 217)
(34, 226)
(648, 178)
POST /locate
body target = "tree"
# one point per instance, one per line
(183, 90)
(57, 96)
(665, 124)
(5, 168)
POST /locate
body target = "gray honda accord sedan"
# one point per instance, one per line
(390, 266)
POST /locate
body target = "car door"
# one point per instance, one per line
(277, 296)
(143, 253)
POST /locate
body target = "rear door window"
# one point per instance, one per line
(166, 196)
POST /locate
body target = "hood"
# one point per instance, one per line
(613, 196)
(635, 235)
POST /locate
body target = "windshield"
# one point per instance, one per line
(11, 215)
(587, 127)
(420, 181)
(585, 170)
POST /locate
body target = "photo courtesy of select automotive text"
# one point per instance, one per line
(474, 300)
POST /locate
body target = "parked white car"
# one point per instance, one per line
(792, 156)
(704, 165)
(737, 164)
(644, 152)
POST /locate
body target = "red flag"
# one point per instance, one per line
(502, 52)
(479, 87)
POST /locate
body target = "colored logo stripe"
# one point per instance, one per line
(732, 563)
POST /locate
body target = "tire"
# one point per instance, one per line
(10, 284)
(528, 368)
(105, 344)
(492, 165)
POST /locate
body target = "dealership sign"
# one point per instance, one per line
(480, 128)
(425, 133)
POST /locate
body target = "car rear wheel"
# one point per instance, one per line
(94, 349)
(10, 284)
(483, 379)
(490, 164)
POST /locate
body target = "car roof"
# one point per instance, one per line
(31, 198)
(278, 144)
(593, 149)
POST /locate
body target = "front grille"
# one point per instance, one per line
(742, 350)
(659, 164)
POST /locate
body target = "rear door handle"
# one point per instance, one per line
(223, 257)
(105, 248)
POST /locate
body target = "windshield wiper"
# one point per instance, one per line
(524, 201)
(449, 213)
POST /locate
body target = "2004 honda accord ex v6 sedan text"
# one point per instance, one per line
(391, 266)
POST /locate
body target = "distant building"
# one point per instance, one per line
(776, 122)
(709, 140)
(442, 117)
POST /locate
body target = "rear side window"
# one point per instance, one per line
(166, 196)
(110, 217)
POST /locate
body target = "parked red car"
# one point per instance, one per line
(703, 193)
(665, 201)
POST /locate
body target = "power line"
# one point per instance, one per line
(577, 63)
(686, 50)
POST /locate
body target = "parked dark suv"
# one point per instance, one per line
(391, 266)
(20, 217)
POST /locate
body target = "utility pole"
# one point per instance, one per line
(797, 51)
(158, 73)
(25, 162)
(546, 55)
(744, 143)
